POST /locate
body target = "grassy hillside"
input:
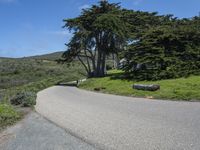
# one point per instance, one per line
(30, 74)
(52, 56)
(16, 72)
(19, 72)
(175, 89)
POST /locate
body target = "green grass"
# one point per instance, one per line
(31, 74)
(34, 74)
(37, 86)
(174, 89)
(8, 115)
(17, 72)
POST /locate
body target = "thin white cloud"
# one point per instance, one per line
(84, 7)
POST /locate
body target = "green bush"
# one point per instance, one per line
(109, 67)
(8, 115)
(25, 99)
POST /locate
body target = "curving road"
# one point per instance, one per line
(122, 123)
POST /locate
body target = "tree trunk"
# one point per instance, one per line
(98, 68)
(88, 62)
(83, 64)
(103, 65)
(115, 61)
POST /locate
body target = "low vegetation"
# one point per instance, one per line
(173, 89)
(8, 115)
(17, 72)
(25, 99)
(22, 78)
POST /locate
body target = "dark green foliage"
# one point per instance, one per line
(98, 32)
(109, 67)
(155, 46)
(166, 51)
(25, 99)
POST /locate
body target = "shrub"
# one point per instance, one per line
(109, 67)
(25, 99)
(8, 115)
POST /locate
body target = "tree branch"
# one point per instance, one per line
(82, 62)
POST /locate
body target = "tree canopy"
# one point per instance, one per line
(154, 46)
(165, 51)
(98, 32)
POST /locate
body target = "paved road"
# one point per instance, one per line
(36, 133)
(122, 123)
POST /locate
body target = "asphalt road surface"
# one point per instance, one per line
(122, 123)
(36, 133)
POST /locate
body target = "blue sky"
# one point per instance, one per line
(32, 27)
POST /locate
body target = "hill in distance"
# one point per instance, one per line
(51, 56)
